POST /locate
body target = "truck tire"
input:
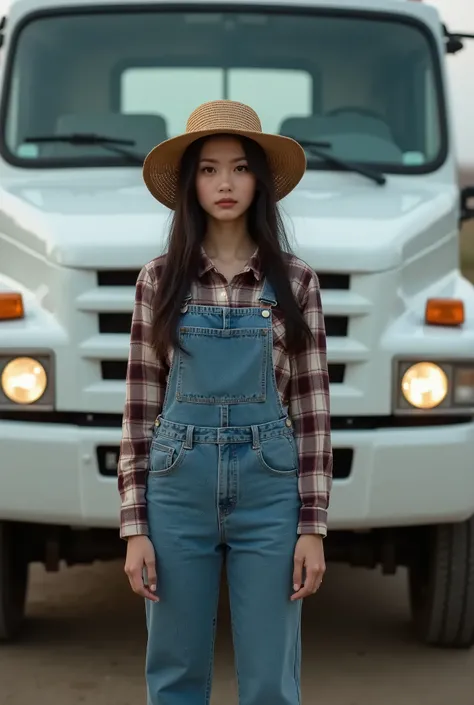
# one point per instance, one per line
(441, 585)
(13, 581)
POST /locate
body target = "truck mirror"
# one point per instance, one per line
(453, 45)
(467, 203)
(454, 40)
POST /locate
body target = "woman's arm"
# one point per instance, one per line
(310, 412)
(145, 390)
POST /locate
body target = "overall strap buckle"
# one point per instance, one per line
(185, 305)
(267, 299)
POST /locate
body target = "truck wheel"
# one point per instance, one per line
(13, 581)
(441, 584)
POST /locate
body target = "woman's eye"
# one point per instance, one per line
(242, 167)
(207, 169)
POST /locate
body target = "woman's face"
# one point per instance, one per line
(224, 185)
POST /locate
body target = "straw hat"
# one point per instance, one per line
(285, 156)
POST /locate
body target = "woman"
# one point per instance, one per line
(226, 452)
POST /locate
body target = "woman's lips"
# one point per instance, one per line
(226, 203)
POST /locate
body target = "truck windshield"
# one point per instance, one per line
(367, 86)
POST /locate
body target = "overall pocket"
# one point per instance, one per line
(227, 366)
(279, 455)
(166, 455)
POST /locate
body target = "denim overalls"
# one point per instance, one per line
(222, 483)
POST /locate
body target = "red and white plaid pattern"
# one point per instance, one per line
(302, 382)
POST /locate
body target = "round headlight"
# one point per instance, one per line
(24, 380)
(425, 385)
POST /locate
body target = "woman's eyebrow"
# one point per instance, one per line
(216, 161)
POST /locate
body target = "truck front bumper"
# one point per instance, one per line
(54, 474)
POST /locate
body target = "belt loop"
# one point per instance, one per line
(224, 415)
(255, 438)
(188, 443)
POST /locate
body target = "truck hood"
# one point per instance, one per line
(334, 221)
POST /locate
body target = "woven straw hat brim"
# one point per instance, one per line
(286, 159)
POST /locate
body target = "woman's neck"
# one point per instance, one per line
(228, 241)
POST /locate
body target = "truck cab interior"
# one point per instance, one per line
(365, 85)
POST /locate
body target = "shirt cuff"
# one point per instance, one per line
(128, 529)
(313, 520)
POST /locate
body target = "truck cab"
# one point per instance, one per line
(87, 88)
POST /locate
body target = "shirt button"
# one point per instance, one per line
(288, 423)
(223, 294)
(265, 313)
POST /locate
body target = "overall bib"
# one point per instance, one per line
(222, 484)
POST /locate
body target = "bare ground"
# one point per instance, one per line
(85, 646)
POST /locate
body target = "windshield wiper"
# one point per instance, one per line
(88, 139)
(317, 149)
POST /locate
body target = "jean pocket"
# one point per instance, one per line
(279, 455)
(166, 455)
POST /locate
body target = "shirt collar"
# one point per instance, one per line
(253, 265)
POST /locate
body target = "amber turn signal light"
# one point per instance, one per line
(11, 306)
(444, 312)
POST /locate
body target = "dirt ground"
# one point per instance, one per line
(84, 645)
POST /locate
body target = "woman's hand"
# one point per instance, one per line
(140, 555)
(309, 554)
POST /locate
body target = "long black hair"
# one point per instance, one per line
(185, 239)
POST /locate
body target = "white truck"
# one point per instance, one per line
(87, 87)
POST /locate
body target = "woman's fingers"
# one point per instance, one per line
(312, 583)
(135, 576)
(140, 555)
(150, 586)
(297, 572)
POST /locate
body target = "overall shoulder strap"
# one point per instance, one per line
(268, 295)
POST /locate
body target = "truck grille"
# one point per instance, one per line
(128, 277)
(108, 307)
(118, 277)
(121, 323)
(117, 369)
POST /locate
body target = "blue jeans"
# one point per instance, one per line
(216, 501)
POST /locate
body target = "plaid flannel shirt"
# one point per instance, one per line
(302, 382)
